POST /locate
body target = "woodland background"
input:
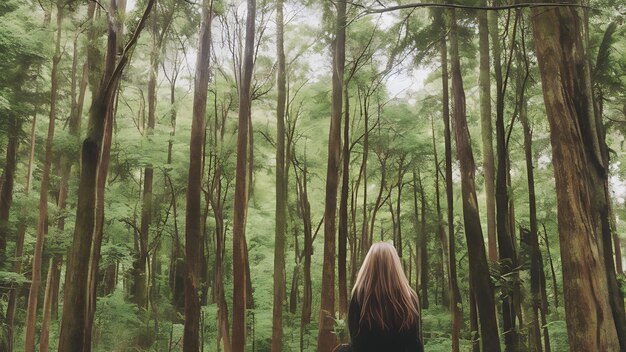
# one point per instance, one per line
(208, 175)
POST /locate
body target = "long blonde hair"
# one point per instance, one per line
(383, 291)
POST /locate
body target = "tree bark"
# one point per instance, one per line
(325, 338)
(74, 320)
(193, 227)
(484, 82)
(281, 186)
(578, 169)
(453, 291)
(240, 277)
(6, 193)
(473, 231)
(505, 243)
(342, 272)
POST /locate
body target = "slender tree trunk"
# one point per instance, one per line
(281, 186)
(531, 237)
(555, 287)
(140, 289)
(441, 231)
(455, 295)
(31, 311)
(342, 273)
(397, 226)
(240, 276)
(578, 169)
(6, 193)
(365, 245)
(484, 82)
(505, 244)
(193, 226)
(423, 264)
(325, 338)
(473, 231)
(305, 209)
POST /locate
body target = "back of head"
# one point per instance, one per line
(382, 290)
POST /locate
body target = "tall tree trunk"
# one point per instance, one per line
(193, 226)
(365, 245)
(281, 186)
(616, 295)
(325, 337)
(506, 248)
(441, 231)
(31, 311)
(455, 295)
(240, 274)
(6, 193)
(422, 267)
(305, 210)
(484, 82)
(74, 320)
(342, 272)
(140, 294)
(578, 169)
(481, 281)
(397, 226)
(6, 200)
(531, 237)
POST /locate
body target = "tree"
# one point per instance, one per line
(578, 167)
(73, 322)
(325, 338)
(240, 273)
(487, 131)
(281, 186)
(193, 228)
(479, 275)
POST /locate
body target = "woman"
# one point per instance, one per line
(383, 313)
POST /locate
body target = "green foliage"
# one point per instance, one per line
(116, 321)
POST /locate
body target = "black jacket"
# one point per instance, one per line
(366, 339)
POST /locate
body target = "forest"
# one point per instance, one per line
(208, 175)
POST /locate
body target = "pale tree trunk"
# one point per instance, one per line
(578, 169)
(193, 226)
(240, 272)
(481, 281)
(281, 187)
(31, 311)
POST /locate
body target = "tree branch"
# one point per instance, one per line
(369, 10)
